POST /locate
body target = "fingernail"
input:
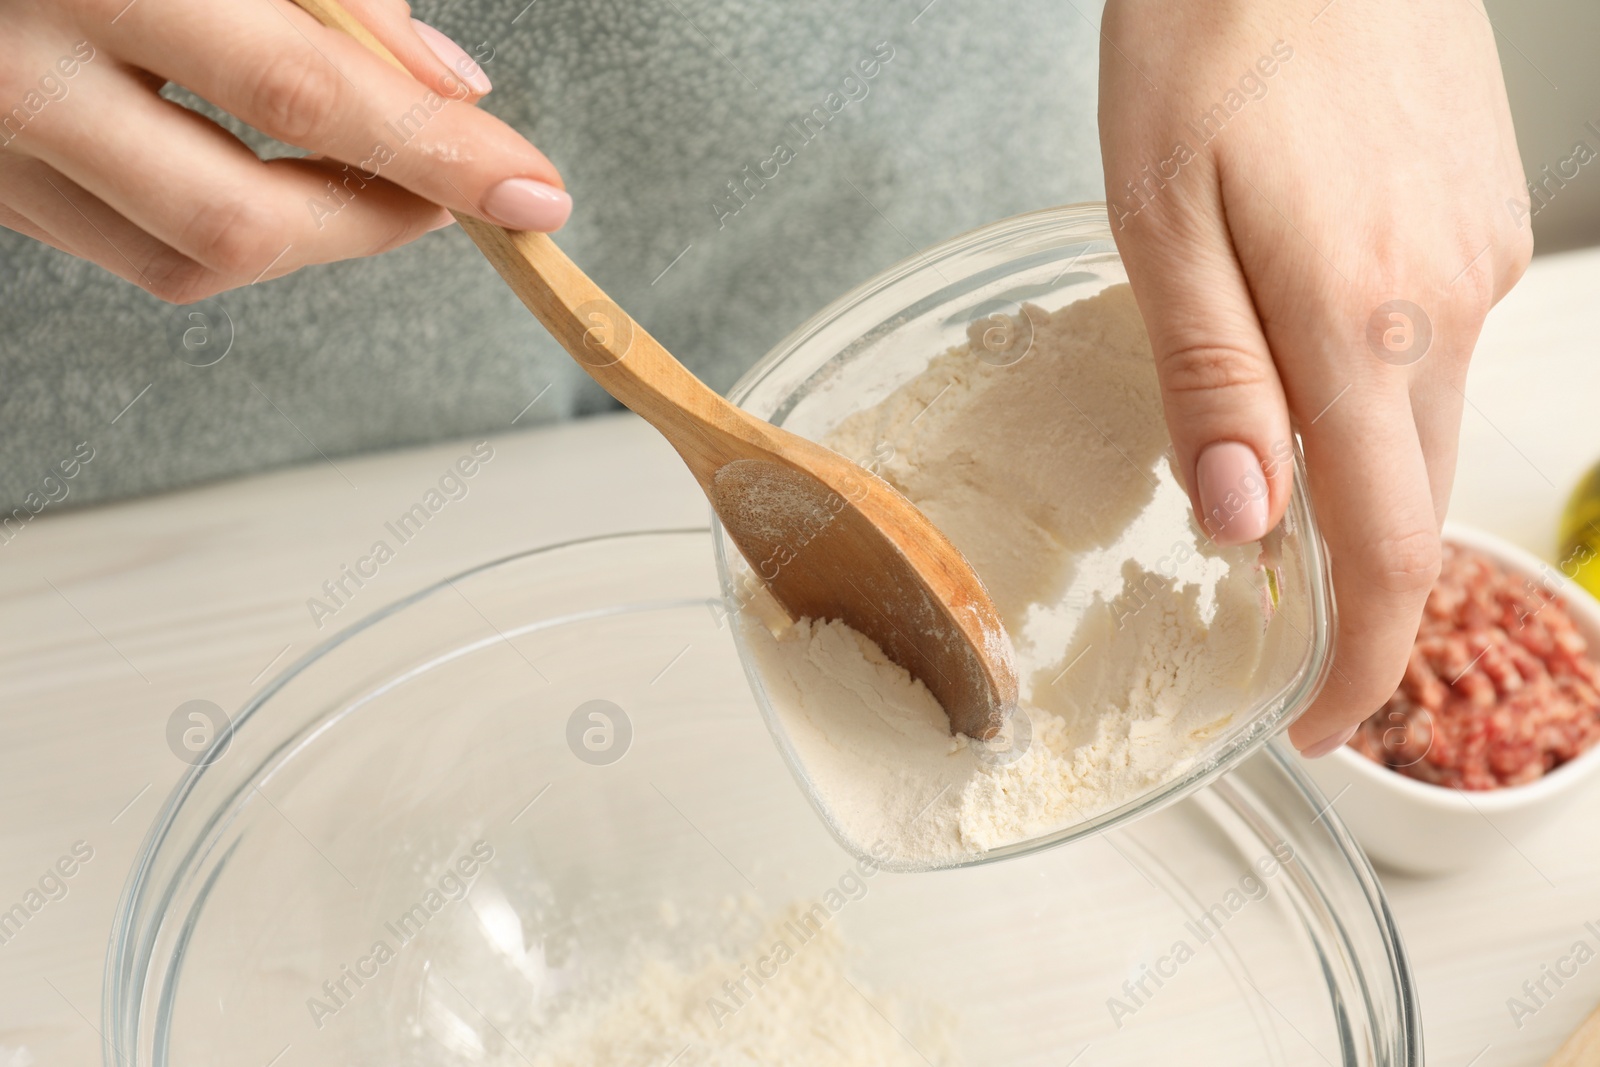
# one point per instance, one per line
(524, 204)
(1233, 493)
(445, 219)
(1330, 744)
(453, 56)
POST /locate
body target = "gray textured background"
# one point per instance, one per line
(647, 121)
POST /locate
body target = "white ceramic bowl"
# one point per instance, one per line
(1420, 828)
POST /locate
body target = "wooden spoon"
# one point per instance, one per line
(830, 540)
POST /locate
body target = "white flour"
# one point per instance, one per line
(1138, 640)
(718, 1011)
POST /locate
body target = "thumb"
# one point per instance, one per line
(1224, 402)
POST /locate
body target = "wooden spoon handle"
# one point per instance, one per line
(615, 351)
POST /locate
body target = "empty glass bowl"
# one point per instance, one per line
(871, 341)
(531, 817)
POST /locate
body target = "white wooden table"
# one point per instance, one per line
(114, 616)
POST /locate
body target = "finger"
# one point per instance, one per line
(1436, 405)
(187, 182)
(431, 57)
(274, 67)
(1225, 406)
(1370, 485)
(458, 66)
(12, 220)
(81, 224)
(1452, 318)
(1450, 321)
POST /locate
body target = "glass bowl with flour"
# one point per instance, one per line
(1003, 382)
(529, 818)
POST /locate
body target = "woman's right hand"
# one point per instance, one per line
(94, 161)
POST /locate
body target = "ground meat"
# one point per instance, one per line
(1500, 687)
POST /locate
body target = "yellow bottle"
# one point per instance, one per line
(1580, 533)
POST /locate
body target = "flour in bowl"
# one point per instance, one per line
(1139, 641)
(785, 997)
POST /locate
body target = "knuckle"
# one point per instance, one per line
(1517, 250)
(1211, 369)
(1478, 291)
(295, 97)
(400, 233)
(236, 236)
(177, 279)
(1365, 687)
(1470, 287)
(1403, 563)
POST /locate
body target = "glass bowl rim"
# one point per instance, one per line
(1037, 223)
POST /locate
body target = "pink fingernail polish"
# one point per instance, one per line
(524, 204)
(1330, 744)
(1233, 493)
(455, 57)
